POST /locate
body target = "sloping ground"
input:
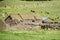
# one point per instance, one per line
(30, 35)
(52, 7)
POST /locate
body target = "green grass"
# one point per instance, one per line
(30, 35)
(53, 7)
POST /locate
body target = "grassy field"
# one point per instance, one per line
(30, 35)
(16, 6)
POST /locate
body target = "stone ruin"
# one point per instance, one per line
(23, 21)
(28, 22)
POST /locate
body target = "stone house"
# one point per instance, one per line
(27, 21)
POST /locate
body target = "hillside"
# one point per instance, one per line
(22, 14)
(42, 8)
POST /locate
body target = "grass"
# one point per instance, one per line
(53, 7)
(13, 7)
(30, 35)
